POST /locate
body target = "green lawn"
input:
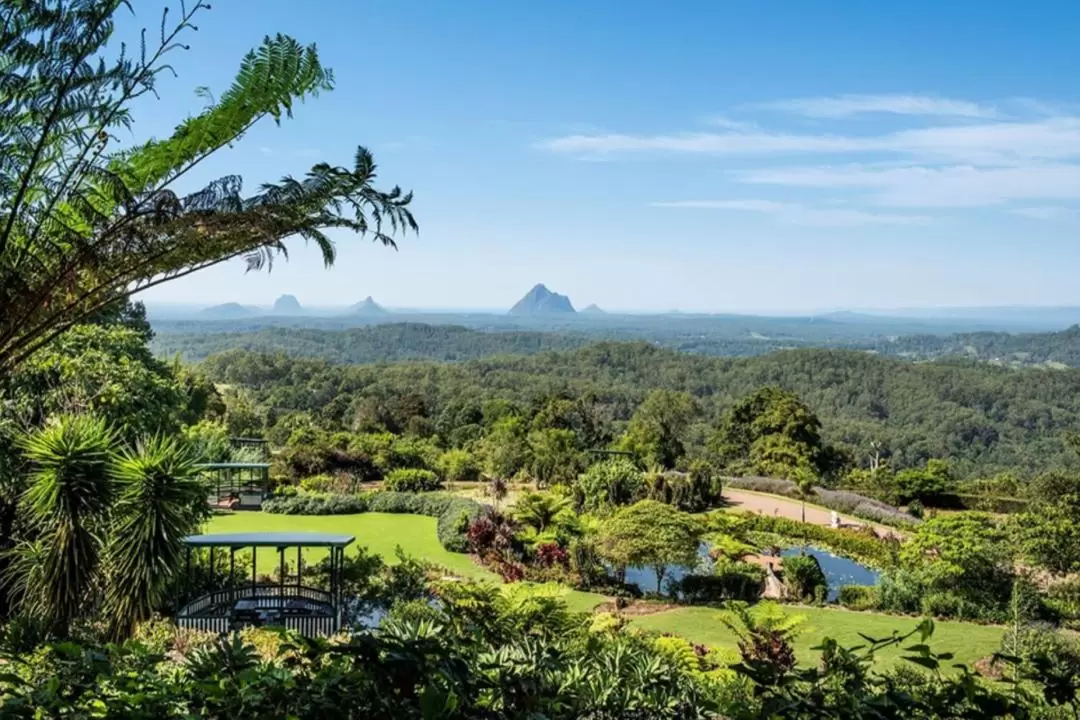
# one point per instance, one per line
(966, 641)
(381, 533)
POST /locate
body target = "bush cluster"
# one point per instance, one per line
(453, 513)
(729, 581)
(858, 597)
(412, 480)
(804, 579)
(841, 501)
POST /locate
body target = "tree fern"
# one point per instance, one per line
(83, 222)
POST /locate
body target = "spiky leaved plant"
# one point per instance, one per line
(160, 500)
(67, 502)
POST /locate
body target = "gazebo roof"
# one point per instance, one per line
(269, 539)
(233, 466)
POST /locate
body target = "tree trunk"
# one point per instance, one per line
(659, 578)
(804, 511)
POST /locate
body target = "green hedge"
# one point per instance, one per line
(452, 512)
(858, 546)
(412, 480)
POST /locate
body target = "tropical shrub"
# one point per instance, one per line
(412, 480)
(459, 466)
(858, 597)
(693, 491)
(803, 576)
(728, 581)
(611, 483)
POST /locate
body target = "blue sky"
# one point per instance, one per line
(717, 156)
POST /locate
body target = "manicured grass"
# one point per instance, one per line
(378, 532)
(967, 642)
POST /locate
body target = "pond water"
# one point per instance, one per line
(838, 570)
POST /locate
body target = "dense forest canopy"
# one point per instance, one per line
(984, 419)
(452, 337)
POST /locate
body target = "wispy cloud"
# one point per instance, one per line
(1048, 212)
(923, 186)
(798, 214)
(979, 161)
(848, 105)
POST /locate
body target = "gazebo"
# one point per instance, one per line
(243, 601)
(237, 485)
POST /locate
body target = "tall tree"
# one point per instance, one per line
(653, 534)
(84, 221)
(657, 430)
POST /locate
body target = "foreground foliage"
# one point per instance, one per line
(85, 221)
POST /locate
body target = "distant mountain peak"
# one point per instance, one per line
(541, 301)
(230, 310)
(368, 306)
(593, 309)
(287, 305)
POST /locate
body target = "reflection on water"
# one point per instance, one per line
(838, 571)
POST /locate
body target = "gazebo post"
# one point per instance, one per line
(281, 581)
(299, 567)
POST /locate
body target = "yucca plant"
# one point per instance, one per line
(67, 501)
(160, 500)
(84, 222)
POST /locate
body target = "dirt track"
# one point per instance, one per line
(763, 504)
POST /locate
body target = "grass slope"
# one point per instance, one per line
(966, 641)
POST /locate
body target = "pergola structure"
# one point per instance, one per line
(243, 600)
(237, 486)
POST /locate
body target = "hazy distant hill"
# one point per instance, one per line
(367, 306)
(593, 309)
(229, 310)
(287, 305)
(541, 301)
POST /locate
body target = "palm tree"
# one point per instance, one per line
(161, 499)
(804, 479)
(67, 501)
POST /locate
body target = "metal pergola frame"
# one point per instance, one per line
(308, 610)
(245, 484)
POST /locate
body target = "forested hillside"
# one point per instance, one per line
(1048, 348)
(416, 340)
(984, 419)
(377, 343)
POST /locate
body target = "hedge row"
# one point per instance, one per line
(839, 500)
(453, 512)
(858, 546)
